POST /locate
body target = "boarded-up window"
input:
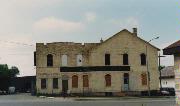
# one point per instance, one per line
(74, 81)
(43, 83)
(55, 83)
(85, 81)
(143, 59)
(125, 59)
(49, 60)
(79, 60)
(144, 78)
(107, 59)
(108, 80)
(64, 60)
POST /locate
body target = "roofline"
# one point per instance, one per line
(131, 34)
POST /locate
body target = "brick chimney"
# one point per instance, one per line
(135, 31)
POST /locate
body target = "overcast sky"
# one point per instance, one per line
(29, 21)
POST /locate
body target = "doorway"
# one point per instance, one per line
(64, 86)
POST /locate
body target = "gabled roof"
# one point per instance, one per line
(131, 34)
(176, 44)
(172, 49)
(167, 72)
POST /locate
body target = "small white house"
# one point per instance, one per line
(168, 77)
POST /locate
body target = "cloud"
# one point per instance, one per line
(55, 24)
(90, 16)
(128, 22)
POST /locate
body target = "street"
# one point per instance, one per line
(27, 100)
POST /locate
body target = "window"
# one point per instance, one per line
(64, 60)
(55, 83)
(108, 80)
(144, 78)
(125, 59)
(43, 83)
(79, 60)
(85, 81)
(107, 59)
(126, 78)
(34, 58)
(143, 59)
(49, 60)
(74, 81)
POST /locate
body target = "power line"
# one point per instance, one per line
(17, 43)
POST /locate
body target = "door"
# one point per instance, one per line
(64, 86)
(126, 81)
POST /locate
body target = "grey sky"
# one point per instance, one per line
(31, 21)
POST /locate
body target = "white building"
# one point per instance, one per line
(168, 77)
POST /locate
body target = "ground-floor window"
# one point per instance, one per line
(55, 83)
(144, 78)
(108, 80)
(126, 78)
(85, 81)
(43, 83)
(74, 81)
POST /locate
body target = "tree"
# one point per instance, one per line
(14, 71)
(6, 72)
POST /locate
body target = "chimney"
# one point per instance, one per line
(101, 41)
(135, 31)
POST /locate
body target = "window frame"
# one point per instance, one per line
(107, 58)
(85, 81)
(49, 60)
(144, 80)
(125, 59)
(108, 80)
(143, 59)
(74, 81)
(55, 83)
(43, 83)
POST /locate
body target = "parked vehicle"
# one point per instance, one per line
(168, 91)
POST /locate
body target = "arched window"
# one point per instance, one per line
(74, 81)
(144, 78)
(49, 60)
(64, 60)
(85, 81)
(143, 59)
(125, 59)
(108, 80)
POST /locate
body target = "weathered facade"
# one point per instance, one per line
(111, 67)
(174, 49)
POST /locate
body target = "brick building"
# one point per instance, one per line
(115, 66)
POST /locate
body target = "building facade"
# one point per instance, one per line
(174, 49)
(112, 67)
(168, 77)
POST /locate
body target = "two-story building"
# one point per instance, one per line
(112, 67)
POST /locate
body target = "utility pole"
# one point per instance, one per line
(147, 66)
(160, 69)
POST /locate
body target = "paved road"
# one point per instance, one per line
(27, 100)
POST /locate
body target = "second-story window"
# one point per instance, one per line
(49, 60)
(125, 59)
(64, 60)
(143, 59)
(79, 60)
(107, 59)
